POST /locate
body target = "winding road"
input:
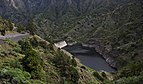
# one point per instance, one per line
(13, 37)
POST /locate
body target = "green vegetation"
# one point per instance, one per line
(20, 28)
(67, 67)
(33, 64)
(14, 75)
(116, 29)
(35, 61)
(115, 26)
(5, 25)
(31, 28)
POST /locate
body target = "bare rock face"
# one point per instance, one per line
(17, 10)
(16, 4)
(11, 5)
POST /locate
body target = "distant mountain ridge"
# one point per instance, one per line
(16, 10)
(114, 28)
(81, 20)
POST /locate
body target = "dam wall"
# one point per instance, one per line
(61, 44)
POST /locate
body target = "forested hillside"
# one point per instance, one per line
(112, 27)
(36, 61)
(114, 30)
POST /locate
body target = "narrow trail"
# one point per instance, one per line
(13, 37)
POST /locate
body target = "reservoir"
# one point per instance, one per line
(89, 57)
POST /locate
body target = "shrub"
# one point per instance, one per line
(20, 28)
(34, 42)
(132, 69)
(31, 28)
(43, 44)
(74, 63)
(129, 80)
(15, 75)
(33, 64)
(66, 66)
(10, 25)
(25, 45)
(104, 75)
(83, 67)
(61, 59)
(96, 74)
(36, 82)
(73, 75)
(16, 64)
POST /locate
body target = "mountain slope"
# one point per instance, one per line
(18, 10)
(112, 27)
(36, 61)
(106, 22)
(115, 31)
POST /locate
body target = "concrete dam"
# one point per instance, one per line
(61, 44)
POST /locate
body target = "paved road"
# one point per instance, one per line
(13, 37)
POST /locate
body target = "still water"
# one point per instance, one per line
(89, 57)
